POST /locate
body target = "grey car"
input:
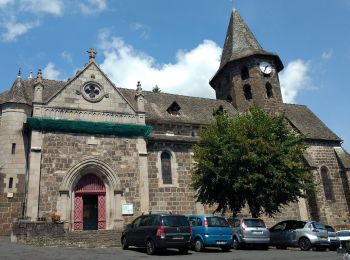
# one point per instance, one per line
(249, 231)
(303, 234)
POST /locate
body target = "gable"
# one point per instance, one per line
(91, 90)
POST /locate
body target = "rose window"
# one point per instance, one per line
(92, 91)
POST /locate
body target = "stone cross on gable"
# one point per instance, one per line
(92, 54)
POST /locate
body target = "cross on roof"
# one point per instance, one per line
(92, 54)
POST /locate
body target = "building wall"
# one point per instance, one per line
(177, 197)
(12, 165)
(62, 151)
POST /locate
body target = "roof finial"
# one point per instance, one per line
(30, 75)
(92, 54)
(19, 73)
(39, 76)
(138, 88)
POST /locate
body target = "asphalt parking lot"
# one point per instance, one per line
(9, 251)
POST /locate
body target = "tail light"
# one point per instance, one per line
(160, 232)
(243, 226)
(205, 222)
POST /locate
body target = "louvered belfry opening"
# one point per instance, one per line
(90, 204)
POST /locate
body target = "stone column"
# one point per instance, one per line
(34, 175)
(303, 211)
(143, 173)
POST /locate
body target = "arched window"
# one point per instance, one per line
(269, 92)
(244, 73)
(247, 92)
(327, 185)
(166, 167)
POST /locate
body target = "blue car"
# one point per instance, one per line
(210, 231)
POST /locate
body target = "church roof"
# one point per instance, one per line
(192, 110)
(303, 119)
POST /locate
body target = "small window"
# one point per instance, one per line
(10, 183)
(248, 92)
(244, 73)
(174, 109)
(13, 149)
(166, 167)
(269, 92)
(327, 185)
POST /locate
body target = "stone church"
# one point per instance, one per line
(99, 155)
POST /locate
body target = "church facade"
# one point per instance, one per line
(100, 155)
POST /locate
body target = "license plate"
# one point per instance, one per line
(221, 243)
(257, 232)
(178, 238)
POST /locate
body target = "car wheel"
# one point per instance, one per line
(125, 244)
(198, 245)
(236, 244)
(304, 244)
(150, 247)
(183, 251)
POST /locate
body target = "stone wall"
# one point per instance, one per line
(177, 197)
(62, 151)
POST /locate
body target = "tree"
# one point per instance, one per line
(251, 159)
(156, 89)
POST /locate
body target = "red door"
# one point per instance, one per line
(89, 185)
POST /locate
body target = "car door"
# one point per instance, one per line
(290, 234)
(131, 234)
(277, 233)
(145, 230)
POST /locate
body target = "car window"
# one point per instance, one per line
(296, 225)
(175, 221)
(195, 222)
(217, 222)
(136, 222)
(254, 223)
(343, 233)
(318, 225)
(147, 221)
(279, 227)
(330, 229)
(237, 223)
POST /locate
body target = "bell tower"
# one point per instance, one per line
(248, 75)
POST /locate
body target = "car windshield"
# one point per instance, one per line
(254, 223)
(343, 233)
(318, 225)
(217, 222)
(175, 221)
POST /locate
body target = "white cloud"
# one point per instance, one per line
(189, 75)
(54, 7)
(50, 71)
(93, 6)
(4, 3)
(326, 55)
(15, 29)
(66, 56)
(294, 78)
(142, 29)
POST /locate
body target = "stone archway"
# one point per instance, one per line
(69, 193)
(90, 204)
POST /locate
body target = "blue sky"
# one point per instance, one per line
(177, 45)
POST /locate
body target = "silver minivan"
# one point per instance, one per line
(303, 234)
(249, 231)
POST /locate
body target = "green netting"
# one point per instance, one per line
(69, 126)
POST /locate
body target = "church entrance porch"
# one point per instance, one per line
(90, 204)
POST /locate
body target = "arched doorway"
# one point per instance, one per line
(90, 204)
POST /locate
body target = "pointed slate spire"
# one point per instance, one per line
(240, 42)
(17, 93)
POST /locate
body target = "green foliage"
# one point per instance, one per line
(251, 159)
(156, 89)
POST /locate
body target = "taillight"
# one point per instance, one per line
(243, 226)
(205, 222)
(160, 232)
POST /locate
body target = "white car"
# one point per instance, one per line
(344, 237)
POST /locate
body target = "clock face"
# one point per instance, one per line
(265, 67)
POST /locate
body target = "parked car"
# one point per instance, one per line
(210, 231)
(333, 239)
(249, 231)
(158, 231)
(344, 237)
(303, 234)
